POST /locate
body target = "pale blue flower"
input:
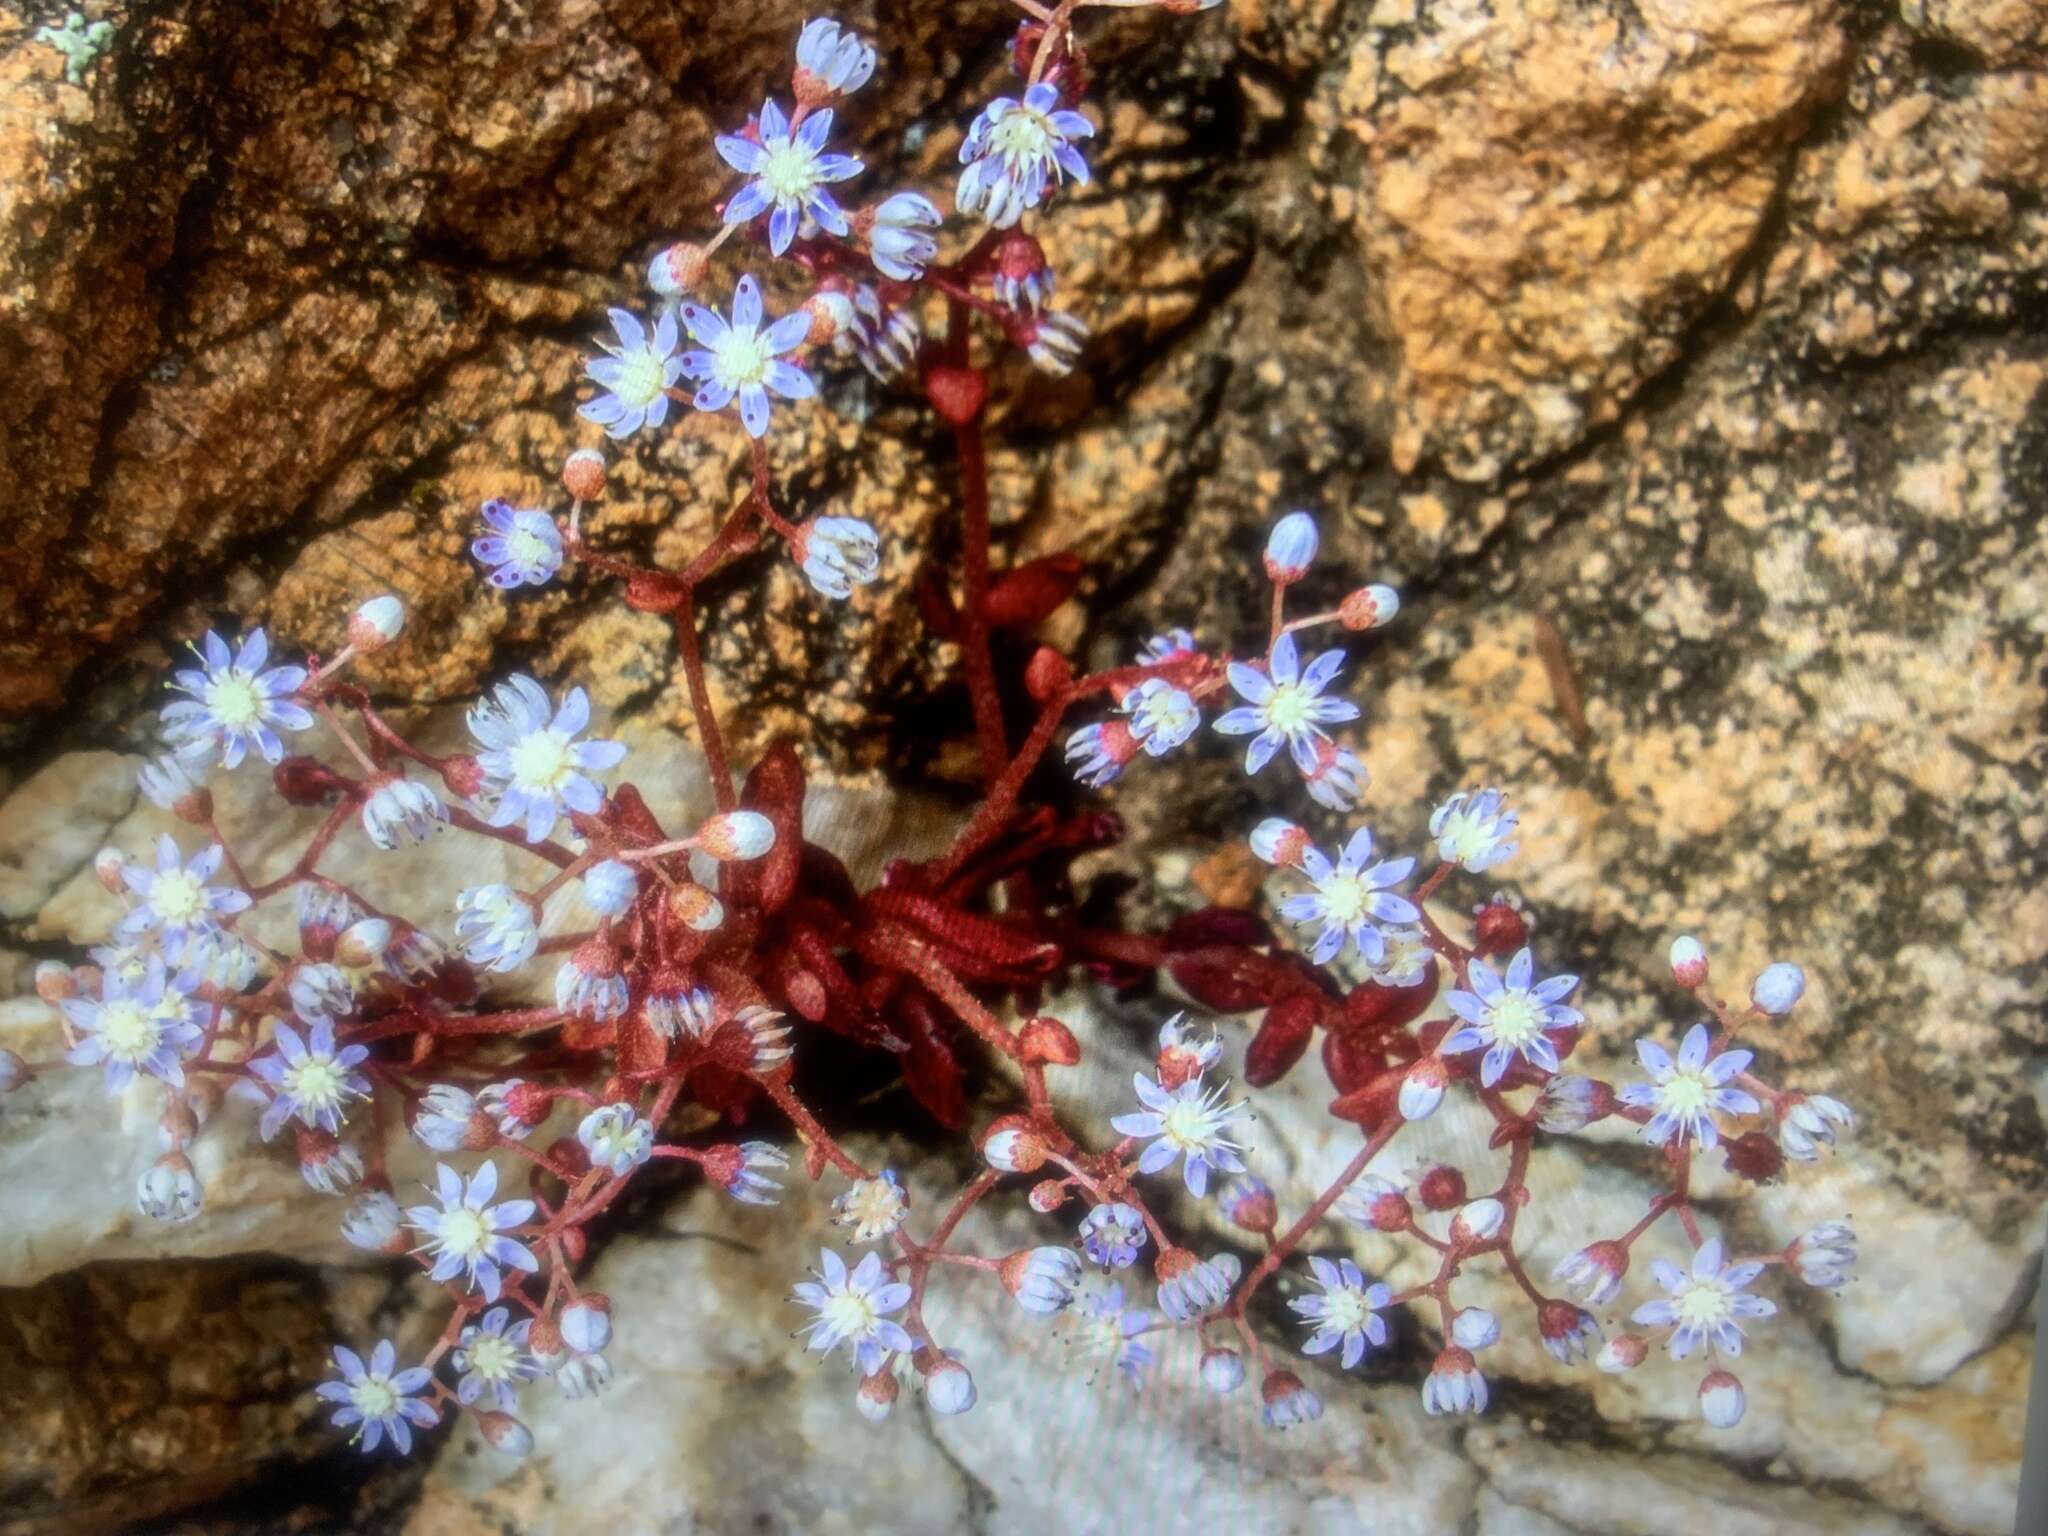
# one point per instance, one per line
(790, 171)
(852, 1308)
(1347, 1312)
(636, 375)
(534, 768)
(466, 1232)
(309, 1078)
(139, 1023)
(741, 358)
(1351, 899)
(377, 1400)
(1510, 1018)
(236, 703)
(523, 547)
(1686, 1093)
(1015, 151)
(1285, 707)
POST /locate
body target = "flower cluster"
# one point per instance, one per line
(620, 973)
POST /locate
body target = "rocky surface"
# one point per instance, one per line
(1683, 364)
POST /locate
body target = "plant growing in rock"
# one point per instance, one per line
(716, 950)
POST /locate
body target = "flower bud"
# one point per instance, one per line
(168, 783)
(1042, 1279)
(583, 474)
(1047, 674)
(1377, 1203)
(1249, 1203)
(55, 981)
(1288, 1401)
(1222, 1370)
(1369, 607)
(1441, 1188)
(1569, 1103)
(695, 908)
(1012, 1146)
(1623, 1352)
(374, 1223)
(376, 624)
(831, 315)
(110, 867)
(1594, 1271)
(949, 1387)
(13, 1071)
(676, 270)
(326, 1163)
(1688, 962)
(1279, 842)
(1479, 1222)
(1778, 988)
(1722, 1400)
(1568, 1331)
(1048, 1195)
(1422, 1089)
(169, 1190)
(587, 1323)
(1475, 1328)
(1046, 1041)
(1291, 548)
(504, 1433)
(1499, 929)
(363, 944)
(876, 1396)
(737, 835)
(1755, 1156)
(545, 1344)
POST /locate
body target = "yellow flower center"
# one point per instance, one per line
(373, 1398)
(850, 1315)
(1685, 1094)
(1344, 899)
(463, 1231)
(1467, 837)
(235, 701)
(316, 1082)
(492, 1356)
(640, 378)
(790, 171)
(872, 1208)
(1704, 1303)
(177, 897)
(541, 761)
(1188, 1126)
(527, 548)
(741, 357)
(1516, 1018)
(1022, 134)
(1346, 1310)
(1290, 710)
(127, 1030)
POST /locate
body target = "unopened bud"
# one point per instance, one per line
(1280, 842)
(831, 316)
(55, 981)
(1291, 548)
(1422, 1088)
(109, 866)
(1441, 1188)
(376, 624)
(1047, 674)
(504, 1433)
(1623, 1352)
(695, 908)
(949, 1387)
(1722, 1400)
(1048, 1195)
(1688, 962)
(587, 1323)
(1369, 607)
(678, 269)
(363, 944)
(1047, 1041)
(877, 1396)
(583, 474)
(1013, 1146)
(13, 1071)
(737, 835)
(1222, 1370)
(1479, 1222)
(1499, 929)
(1778, 988)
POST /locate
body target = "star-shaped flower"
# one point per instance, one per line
(1285, 707)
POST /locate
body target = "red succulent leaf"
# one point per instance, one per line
(1283, 1039)
(1024, 595)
